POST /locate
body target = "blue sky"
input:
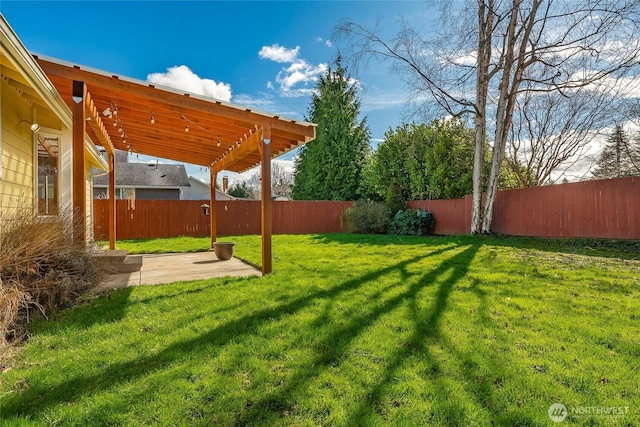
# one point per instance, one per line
(263, 54)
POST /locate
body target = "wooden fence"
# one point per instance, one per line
(597, 209)
(171, 218)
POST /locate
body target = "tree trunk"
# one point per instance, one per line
(485, 25)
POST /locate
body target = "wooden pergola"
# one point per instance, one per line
(126, 114)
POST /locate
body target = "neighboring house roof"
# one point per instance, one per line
(145, 175)
(196, 183)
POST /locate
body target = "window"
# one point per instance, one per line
(48, 147)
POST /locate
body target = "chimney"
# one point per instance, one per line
(225, 183)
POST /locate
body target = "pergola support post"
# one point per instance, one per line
(79, 179)
(267, 203)
(213, 210)
(112, 200)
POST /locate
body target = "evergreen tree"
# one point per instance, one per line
(240, 190)
(619, 157)
(330, 167)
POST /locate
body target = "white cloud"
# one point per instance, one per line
(279, 53)
(181, 77)
(327, 42)
(623, 87)
(382, 102)
(295, 78)
(261, 101)
(300, 72)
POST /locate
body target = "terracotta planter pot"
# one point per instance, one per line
(224, 250)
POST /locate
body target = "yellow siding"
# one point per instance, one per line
(16, 184)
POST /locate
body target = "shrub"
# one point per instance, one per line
(412, 222)
(40, 268)
(367, 218)
(393, 199)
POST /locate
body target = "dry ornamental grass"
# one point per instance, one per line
(40, 269)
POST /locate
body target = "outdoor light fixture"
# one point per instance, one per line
(35, 127)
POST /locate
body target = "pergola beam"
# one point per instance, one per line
(79, 180)
(213, 212)
(250, 145)
(93, 117)
(112, 200)
(267, 202)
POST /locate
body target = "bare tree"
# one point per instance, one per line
(281, 182)
(550, 45)
(551, 131)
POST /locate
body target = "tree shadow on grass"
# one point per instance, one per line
(108, 306)
(385, 239)
(427, 332)
(332, 349)
(605, 248)
(40, 397)
(112, 305)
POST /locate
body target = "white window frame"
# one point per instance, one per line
(58, 134)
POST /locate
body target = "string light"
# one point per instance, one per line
(186, 128)
(218, 143)
(153, 120)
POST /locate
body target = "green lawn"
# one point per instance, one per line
(350, 330)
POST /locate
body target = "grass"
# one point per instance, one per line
(167, 245)
(350, 330)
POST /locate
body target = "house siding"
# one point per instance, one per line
(17, 181)
(157, 194)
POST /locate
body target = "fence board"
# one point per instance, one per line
(451, 215)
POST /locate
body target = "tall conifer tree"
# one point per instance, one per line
(619, 157)
(330, 167)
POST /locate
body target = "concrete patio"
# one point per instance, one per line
(167, 268)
